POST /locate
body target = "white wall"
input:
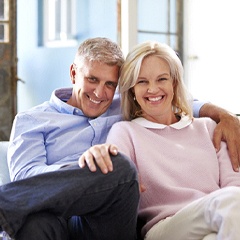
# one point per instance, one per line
(212, 51)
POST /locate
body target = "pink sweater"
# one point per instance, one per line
(177, 164)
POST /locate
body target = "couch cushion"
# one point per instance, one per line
(4, 172)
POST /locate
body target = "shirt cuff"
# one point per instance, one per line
(196, 107)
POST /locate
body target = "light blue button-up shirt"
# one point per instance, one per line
(55, 134)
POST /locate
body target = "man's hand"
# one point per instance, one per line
(98, 155)
(228, 130)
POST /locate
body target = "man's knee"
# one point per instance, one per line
(125, 166)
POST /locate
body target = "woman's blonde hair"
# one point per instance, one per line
(130, 71)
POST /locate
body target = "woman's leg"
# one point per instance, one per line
(108, 202)
(216, 213)
(211, 236)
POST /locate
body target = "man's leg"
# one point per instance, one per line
(108, 202)
(43, 226)
(75, 228)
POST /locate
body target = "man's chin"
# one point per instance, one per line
(95, 110)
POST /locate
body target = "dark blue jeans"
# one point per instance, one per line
(41, 207)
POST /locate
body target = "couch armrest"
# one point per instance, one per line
(4, 172)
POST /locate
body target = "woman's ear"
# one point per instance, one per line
(174, 83)
(133, 93)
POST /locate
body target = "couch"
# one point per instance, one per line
(4, 172)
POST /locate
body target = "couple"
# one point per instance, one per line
(47, 142)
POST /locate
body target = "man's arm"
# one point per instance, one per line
(228, 130)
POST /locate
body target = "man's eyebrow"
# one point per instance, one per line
(91, 76)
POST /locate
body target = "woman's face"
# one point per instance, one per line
(154, 90)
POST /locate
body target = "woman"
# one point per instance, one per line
(191, 190)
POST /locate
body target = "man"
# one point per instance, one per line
(50, 138)
(47, 141)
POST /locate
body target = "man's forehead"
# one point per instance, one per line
(100, 70)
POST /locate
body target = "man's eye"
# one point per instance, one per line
(92, 79)
(112, 84)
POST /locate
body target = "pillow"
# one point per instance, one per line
(4, 172)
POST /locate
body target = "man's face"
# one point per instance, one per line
(94, 85)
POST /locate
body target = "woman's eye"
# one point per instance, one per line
(142, 81)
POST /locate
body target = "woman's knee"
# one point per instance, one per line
(231, 193)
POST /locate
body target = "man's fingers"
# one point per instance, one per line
(234, 152)
(87, 158)
(104, 160)
(99, 155)
(113, 149)
(81, 161)
(217, 138)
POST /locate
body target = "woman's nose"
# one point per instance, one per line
(152, 88)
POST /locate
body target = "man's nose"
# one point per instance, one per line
(99, 91)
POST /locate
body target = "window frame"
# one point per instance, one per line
(57, 25)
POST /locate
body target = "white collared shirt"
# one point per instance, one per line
(183, 122)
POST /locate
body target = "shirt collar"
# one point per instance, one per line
(182, 123)
(60, 97)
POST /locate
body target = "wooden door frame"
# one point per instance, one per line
(8, 74)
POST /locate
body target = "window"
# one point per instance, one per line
(165, 23)
(4, 21)
(159, 20)
(58, 23)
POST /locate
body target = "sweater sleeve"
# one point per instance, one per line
(227, 176)
(120, 136)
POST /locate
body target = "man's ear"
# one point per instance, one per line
(72, 73)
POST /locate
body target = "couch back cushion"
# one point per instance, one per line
(4, 172)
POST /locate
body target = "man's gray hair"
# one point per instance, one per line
(99, 49)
